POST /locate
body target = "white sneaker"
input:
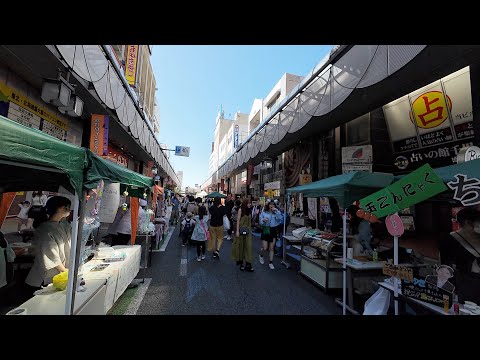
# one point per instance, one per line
(203, 257)
(270, 265)
(260, 258)
(199, 258)
(229, 237)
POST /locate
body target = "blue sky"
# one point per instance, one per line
(194, 81)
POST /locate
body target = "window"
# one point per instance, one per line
(358, 131)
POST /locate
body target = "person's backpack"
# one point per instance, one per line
(188, 229)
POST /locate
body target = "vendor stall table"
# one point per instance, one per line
(356, 268)
(52, 302)
(405, 299)
(117, 275)
(291, 240)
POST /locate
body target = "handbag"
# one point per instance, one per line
(244, 231)
(207, 233)
(266, 230)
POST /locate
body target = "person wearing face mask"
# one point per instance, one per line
(464, 251)
(52, 243)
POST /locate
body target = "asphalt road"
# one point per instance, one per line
(181, 285)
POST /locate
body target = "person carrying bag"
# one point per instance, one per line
(242, 252)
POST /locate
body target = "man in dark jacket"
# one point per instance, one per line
(217, 212)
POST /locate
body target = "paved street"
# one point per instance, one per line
(182, 286)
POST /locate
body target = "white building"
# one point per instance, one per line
(261, 109)
(180, 178)
(222, 126)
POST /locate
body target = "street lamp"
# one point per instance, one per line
(56, 91)
(267, 163)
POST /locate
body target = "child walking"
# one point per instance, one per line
(200, 232)
(23, 215)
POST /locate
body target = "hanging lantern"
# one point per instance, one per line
(124, 206)
(125, 193)
(367, 216)
(373, 218)
(360, 213)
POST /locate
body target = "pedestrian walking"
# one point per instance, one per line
(242, 252)
(217, 212)
(200, 233)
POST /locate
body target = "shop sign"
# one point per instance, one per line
(422, 290)
(413, 188)
(438, 115)
(272, 185)
(436, 156)
(117, 156)
(235, 136)
(394, 225)
(99, 134)
(400, 272)
(304, 179)
(357, 158)
(28, 113)
(131, 65)
(466, 190)
(182, 151)
(468, 154)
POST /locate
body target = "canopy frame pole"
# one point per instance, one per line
(76, 241)
(344, 262)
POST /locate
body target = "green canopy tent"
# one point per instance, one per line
(346, 188)
(469, 168)
(33, 160)
(215, 194)
(102, 169)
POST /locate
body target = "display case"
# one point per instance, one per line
(317, 260)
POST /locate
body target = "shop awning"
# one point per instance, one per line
(469, 168)
(346, 188)
(101, 169)
(215, 194)
(29, 148)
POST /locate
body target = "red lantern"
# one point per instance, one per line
(360, 213)
(373, 218)
(367, 216)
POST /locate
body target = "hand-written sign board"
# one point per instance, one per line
(415, 187)
(401, 272)
(422, 290)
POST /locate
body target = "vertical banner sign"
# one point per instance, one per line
(235, 137)
(98, 138)
(106, 126)
(131, 66)
(413, 188)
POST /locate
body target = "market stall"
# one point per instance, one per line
(32, 160)
(346, 189)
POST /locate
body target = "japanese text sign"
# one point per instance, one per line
(182, 151)
(421, 290)
(394, 225)
(415, 187)
(131, 65)
(99, 135)
(401, 272)
(467, 190)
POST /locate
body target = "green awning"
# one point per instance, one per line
(102, 169)
(346, 188)
(469, 168)
(19, 144)
(215, 194)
